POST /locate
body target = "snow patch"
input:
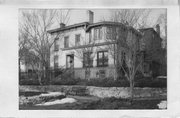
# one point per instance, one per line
(162, 105)
(52, 94)
(62, 101)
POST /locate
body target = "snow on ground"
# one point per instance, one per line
(52, 94)
(62, 101)
(162, 105)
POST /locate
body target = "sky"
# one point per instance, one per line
(80, 15)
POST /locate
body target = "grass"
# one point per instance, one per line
(30, 93)
(90, 103)
(114, 103)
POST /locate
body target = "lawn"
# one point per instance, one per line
(94, 103)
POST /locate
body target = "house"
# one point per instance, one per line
(154, 56)
(88, 48)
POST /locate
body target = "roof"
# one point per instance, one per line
(104, 23)
(68, 27)
(89, 26)
(145, 29)
(150, 29)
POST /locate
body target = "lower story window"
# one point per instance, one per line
(88, 59)
(102, 73)
(56, 61)
(102, 58)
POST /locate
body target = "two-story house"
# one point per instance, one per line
(91, 45)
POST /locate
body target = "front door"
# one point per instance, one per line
(70, 61)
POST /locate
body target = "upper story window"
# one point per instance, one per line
(77, 39)
(87, 59)
(66, 42)
(102, 58)
(90, 36)
(98, 33)
(111, 33)
(56, 45)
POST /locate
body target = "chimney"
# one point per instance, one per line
(158, 29)
(62, 25)
(90, 16)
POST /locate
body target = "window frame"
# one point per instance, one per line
(77, 43)
(56, 45)
(109, 32)
(98, 33)
(104, 60)
(56, 64)
(66, 42)
(88, 56)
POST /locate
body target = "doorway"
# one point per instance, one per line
(70, 61)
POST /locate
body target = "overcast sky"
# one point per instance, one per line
(77, 16)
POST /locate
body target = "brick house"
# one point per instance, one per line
(154, 55)
(89, 44)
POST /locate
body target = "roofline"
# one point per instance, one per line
(151, 28)
(68, 27)
(89, 26)
(103, 23)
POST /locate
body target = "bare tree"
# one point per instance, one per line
(136, 18)
(86, 53)
(130, 61)
(34, 24)
(133, 57)
(63, 16)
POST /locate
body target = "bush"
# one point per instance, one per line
(108, 82)
(150, 82)
(29, 82)
(65, 81)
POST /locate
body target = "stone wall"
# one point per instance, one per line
(102, 92)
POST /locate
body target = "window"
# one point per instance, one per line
(88, 59)
(111, 33)
(90, 36)
(56, 46)
(102, 73)
(66, 42)
(77, 40)
(97, 33)
(102, 58)
(56, 61)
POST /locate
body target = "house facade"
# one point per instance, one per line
(154, 55)
(93, 47)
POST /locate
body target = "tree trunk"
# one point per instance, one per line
(131, 89)
(39, 77)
